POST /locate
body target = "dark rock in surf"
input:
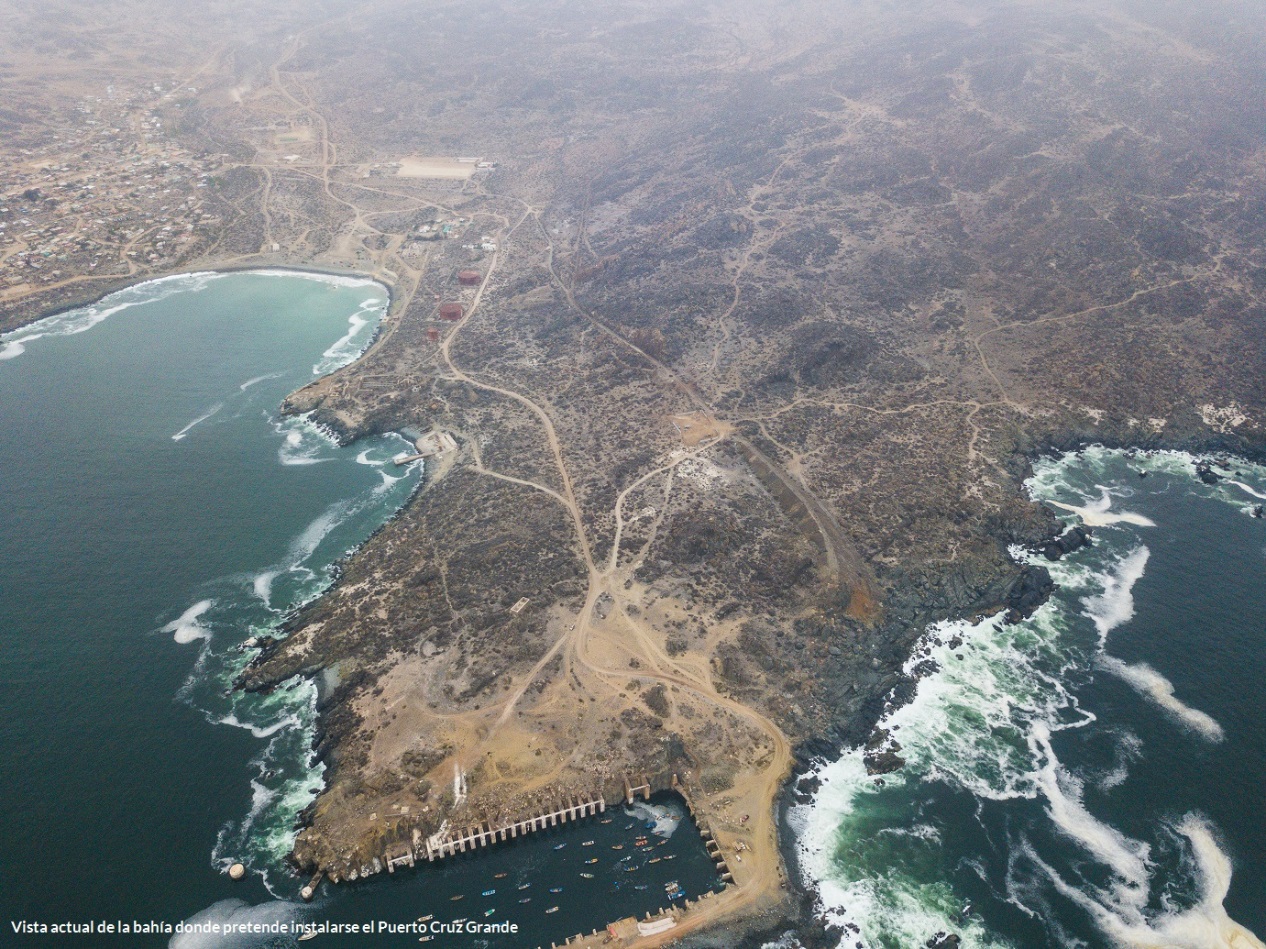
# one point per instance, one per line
(1072, 539)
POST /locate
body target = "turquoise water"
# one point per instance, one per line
(157, 514)
(1092, 776)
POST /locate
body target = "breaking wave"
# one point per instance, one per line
(185, 628)
(984, 727)
(354, 341)
(82, 319)
(1115, 605)
(303, 442)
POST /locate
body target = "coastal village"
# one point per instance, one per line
(104, 193)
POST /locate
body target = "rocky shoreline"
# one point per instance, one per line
(1033, 588)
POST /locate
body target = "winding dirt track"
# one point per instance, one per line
(760, 875)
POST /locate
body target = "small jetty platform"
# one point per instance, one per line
(428, 446)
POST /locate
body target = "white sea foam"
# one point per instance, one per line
(263, 585)
(1248, 490)
(350, 345)
(666, 817)
(305, 545)
(260, 731)
(261, 797)
(299, 448)
(1115, 605)
(1127, 858)
(198, 421)
(234, 914)
(984, 724)
(303, 442)
(1128, 750)
(333, 280)
(82, 319)
(387, 482)
(186, 628)
(1152, 685)
(1205, 925)
(364, 459)
(1100, 514)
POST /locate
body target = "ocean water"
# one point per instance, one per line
(1092, 776)
(156, 514)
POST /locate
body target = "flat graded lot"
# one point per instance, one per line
(435, 168)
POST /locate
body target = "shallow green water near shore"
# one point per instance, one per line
(156, 514)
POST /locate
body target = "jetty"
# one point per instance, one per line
(428, 446)
(445, 843)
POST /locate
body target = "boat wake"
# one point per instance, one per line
(198, 421)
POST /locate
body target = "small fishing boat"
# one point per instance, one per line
(489, 911)
(556, 889)
(552, 909)
(655, 860)
(661, 843)
(489, 892)
(605, 820)
(587, 876)
(308, 934)
(670, 856)
(640, 886)
(526, 899)
(640, 840)
(587, 843)
(524, 886)
(425, 938)
(592, 860)
(459, 896)
(628, 827)
(559, 846)
(617, 847)
(427, 918)
(500, 876)
(631, 869)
